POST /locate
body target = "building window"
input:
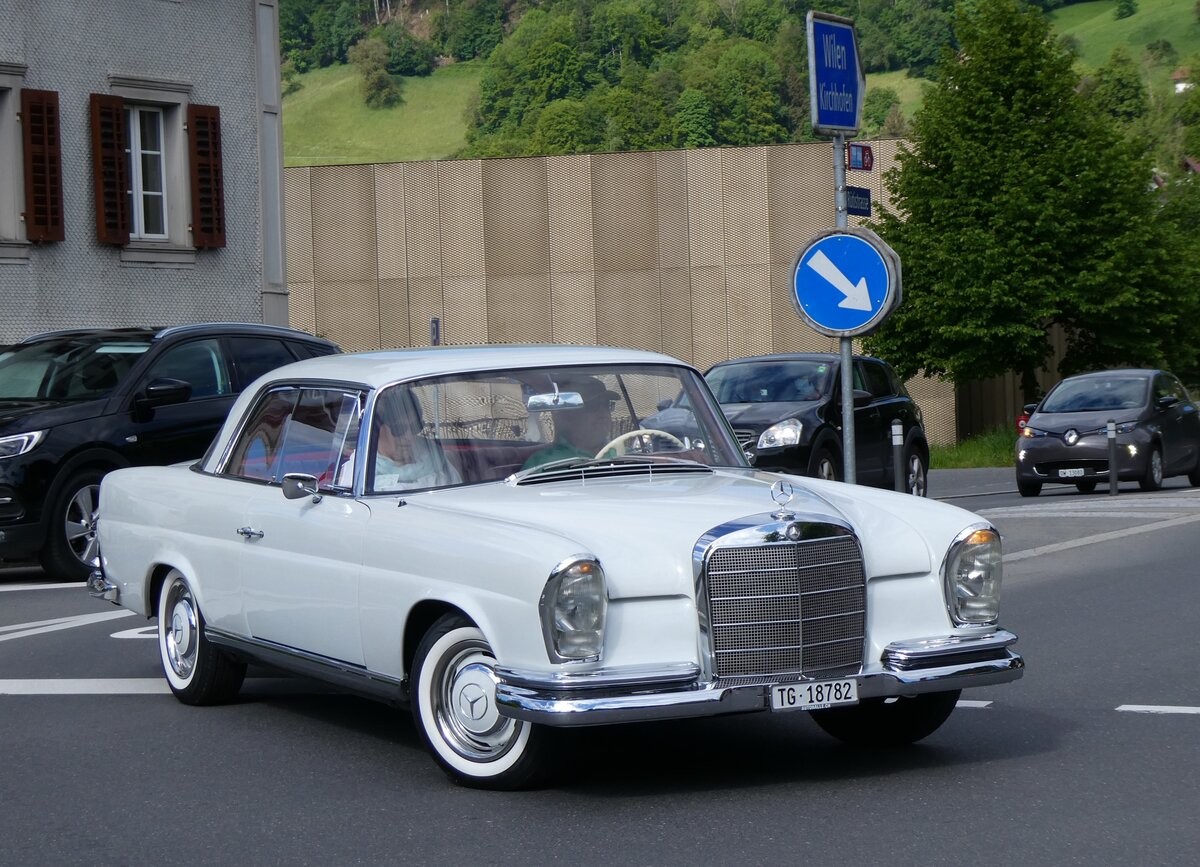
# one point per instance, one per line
(159, 185)
(12, 174)
(146, 176)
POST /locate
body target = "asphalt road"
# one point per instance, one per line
(1092, 758)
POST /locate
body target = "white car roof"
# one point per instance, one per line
(376, 369)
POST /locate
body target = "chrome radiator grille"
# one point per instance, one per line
(778, 610)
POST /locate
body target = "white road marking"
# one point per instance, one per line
(1098, 537)
(962, 702)
(1157, 708)
(140, 632)
(78, 585)
(42, 626)
(86, 686)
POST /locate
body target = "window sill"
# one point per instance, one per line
(14, 251)
(148, 254)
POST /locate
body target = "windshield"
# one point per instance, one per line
(769, 381)
(1092, 395)
(67, 368)
(480, 427)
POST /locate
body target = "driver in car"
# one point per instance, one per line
(579, 432)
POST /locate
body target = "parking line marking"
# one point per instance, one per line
(962, 702)
(1157, 708)
(39, 627)
(1099, 537)
(86, 686)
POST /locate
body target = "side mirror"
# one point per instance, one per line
(297, 485)
(1167, 401)
(161, 392)
(861, 398)
(1029, 408)
(665, 403)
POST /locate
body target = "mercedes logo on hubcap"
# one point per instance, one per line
(472, 702)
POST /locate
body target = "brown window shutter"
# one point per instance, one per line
(43, 166)
(110, 175)
(208, 180)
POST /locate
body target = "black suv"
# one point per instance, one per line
(786, 411)
(76, 404)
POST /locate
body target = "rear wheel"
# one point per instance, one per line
(197, 672)
(879, 722)
(1194, 475)
(1153, 478)
(1029, 489)
(454, 707)
(824, 464)
(1086, 487)
(71, 546)
(916, 475)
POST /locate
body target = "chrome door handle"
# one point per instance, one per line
(250, 533)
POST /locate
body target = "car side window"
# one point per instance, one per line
(254, 356)
(877, 380)
(256, 452)
(1163, 387)
(198, 362)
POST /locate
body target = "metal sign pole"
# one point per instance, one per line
(849, 462)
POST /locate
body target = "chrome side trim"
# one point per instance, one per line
(353, 678)
(565, 708)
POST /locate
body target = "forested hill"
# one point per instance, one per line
(569, 76)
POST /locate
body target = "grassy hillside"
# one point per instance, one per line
(327, 123)
(1098, 31)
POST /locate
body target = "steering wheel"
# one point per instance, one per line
(620, 441)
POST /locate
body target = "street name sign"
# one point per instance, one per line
(846, 282)
(836, 82)
(858, 201)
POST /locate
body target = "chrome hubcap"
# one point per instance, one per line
(916, 476)
(825, 470)
(79, 523)
(465, 706)
(1156, 467)
(180, 633)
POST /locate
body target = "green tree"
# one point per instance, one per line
(407, 54)
(567, 126)
(694, 123)
(379, 89)
(1118, 90)
(1125, 8)
(876, 108)
(1017, 207)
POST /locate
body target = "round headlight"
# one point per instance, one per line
(971, 573)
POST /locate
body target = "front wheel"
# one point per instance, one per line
(1029, 489)
(197, 672)
(1086, 487)
(454, 707)
(824, 465)
(1153, 478)
(882, 722)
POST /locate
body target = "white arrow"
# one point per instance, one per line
(856, 298)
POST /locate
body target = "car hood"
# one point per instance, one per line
(1061, 422)
(21, 416)
(764, 414)
(644, 530)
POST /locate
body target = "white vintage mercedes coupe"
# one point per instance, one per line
(489, 536)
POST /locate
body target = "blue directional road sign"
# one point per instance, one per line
(837, 86)
(846, 282)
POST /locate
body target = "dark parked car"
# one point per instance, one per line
(786, 411)
(76, 404)
(1065, 440)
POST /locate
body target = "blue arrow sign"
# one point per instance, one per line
(846, 282)
(836, 82)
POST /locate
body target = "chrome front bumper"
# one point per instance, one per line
(632, 695)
